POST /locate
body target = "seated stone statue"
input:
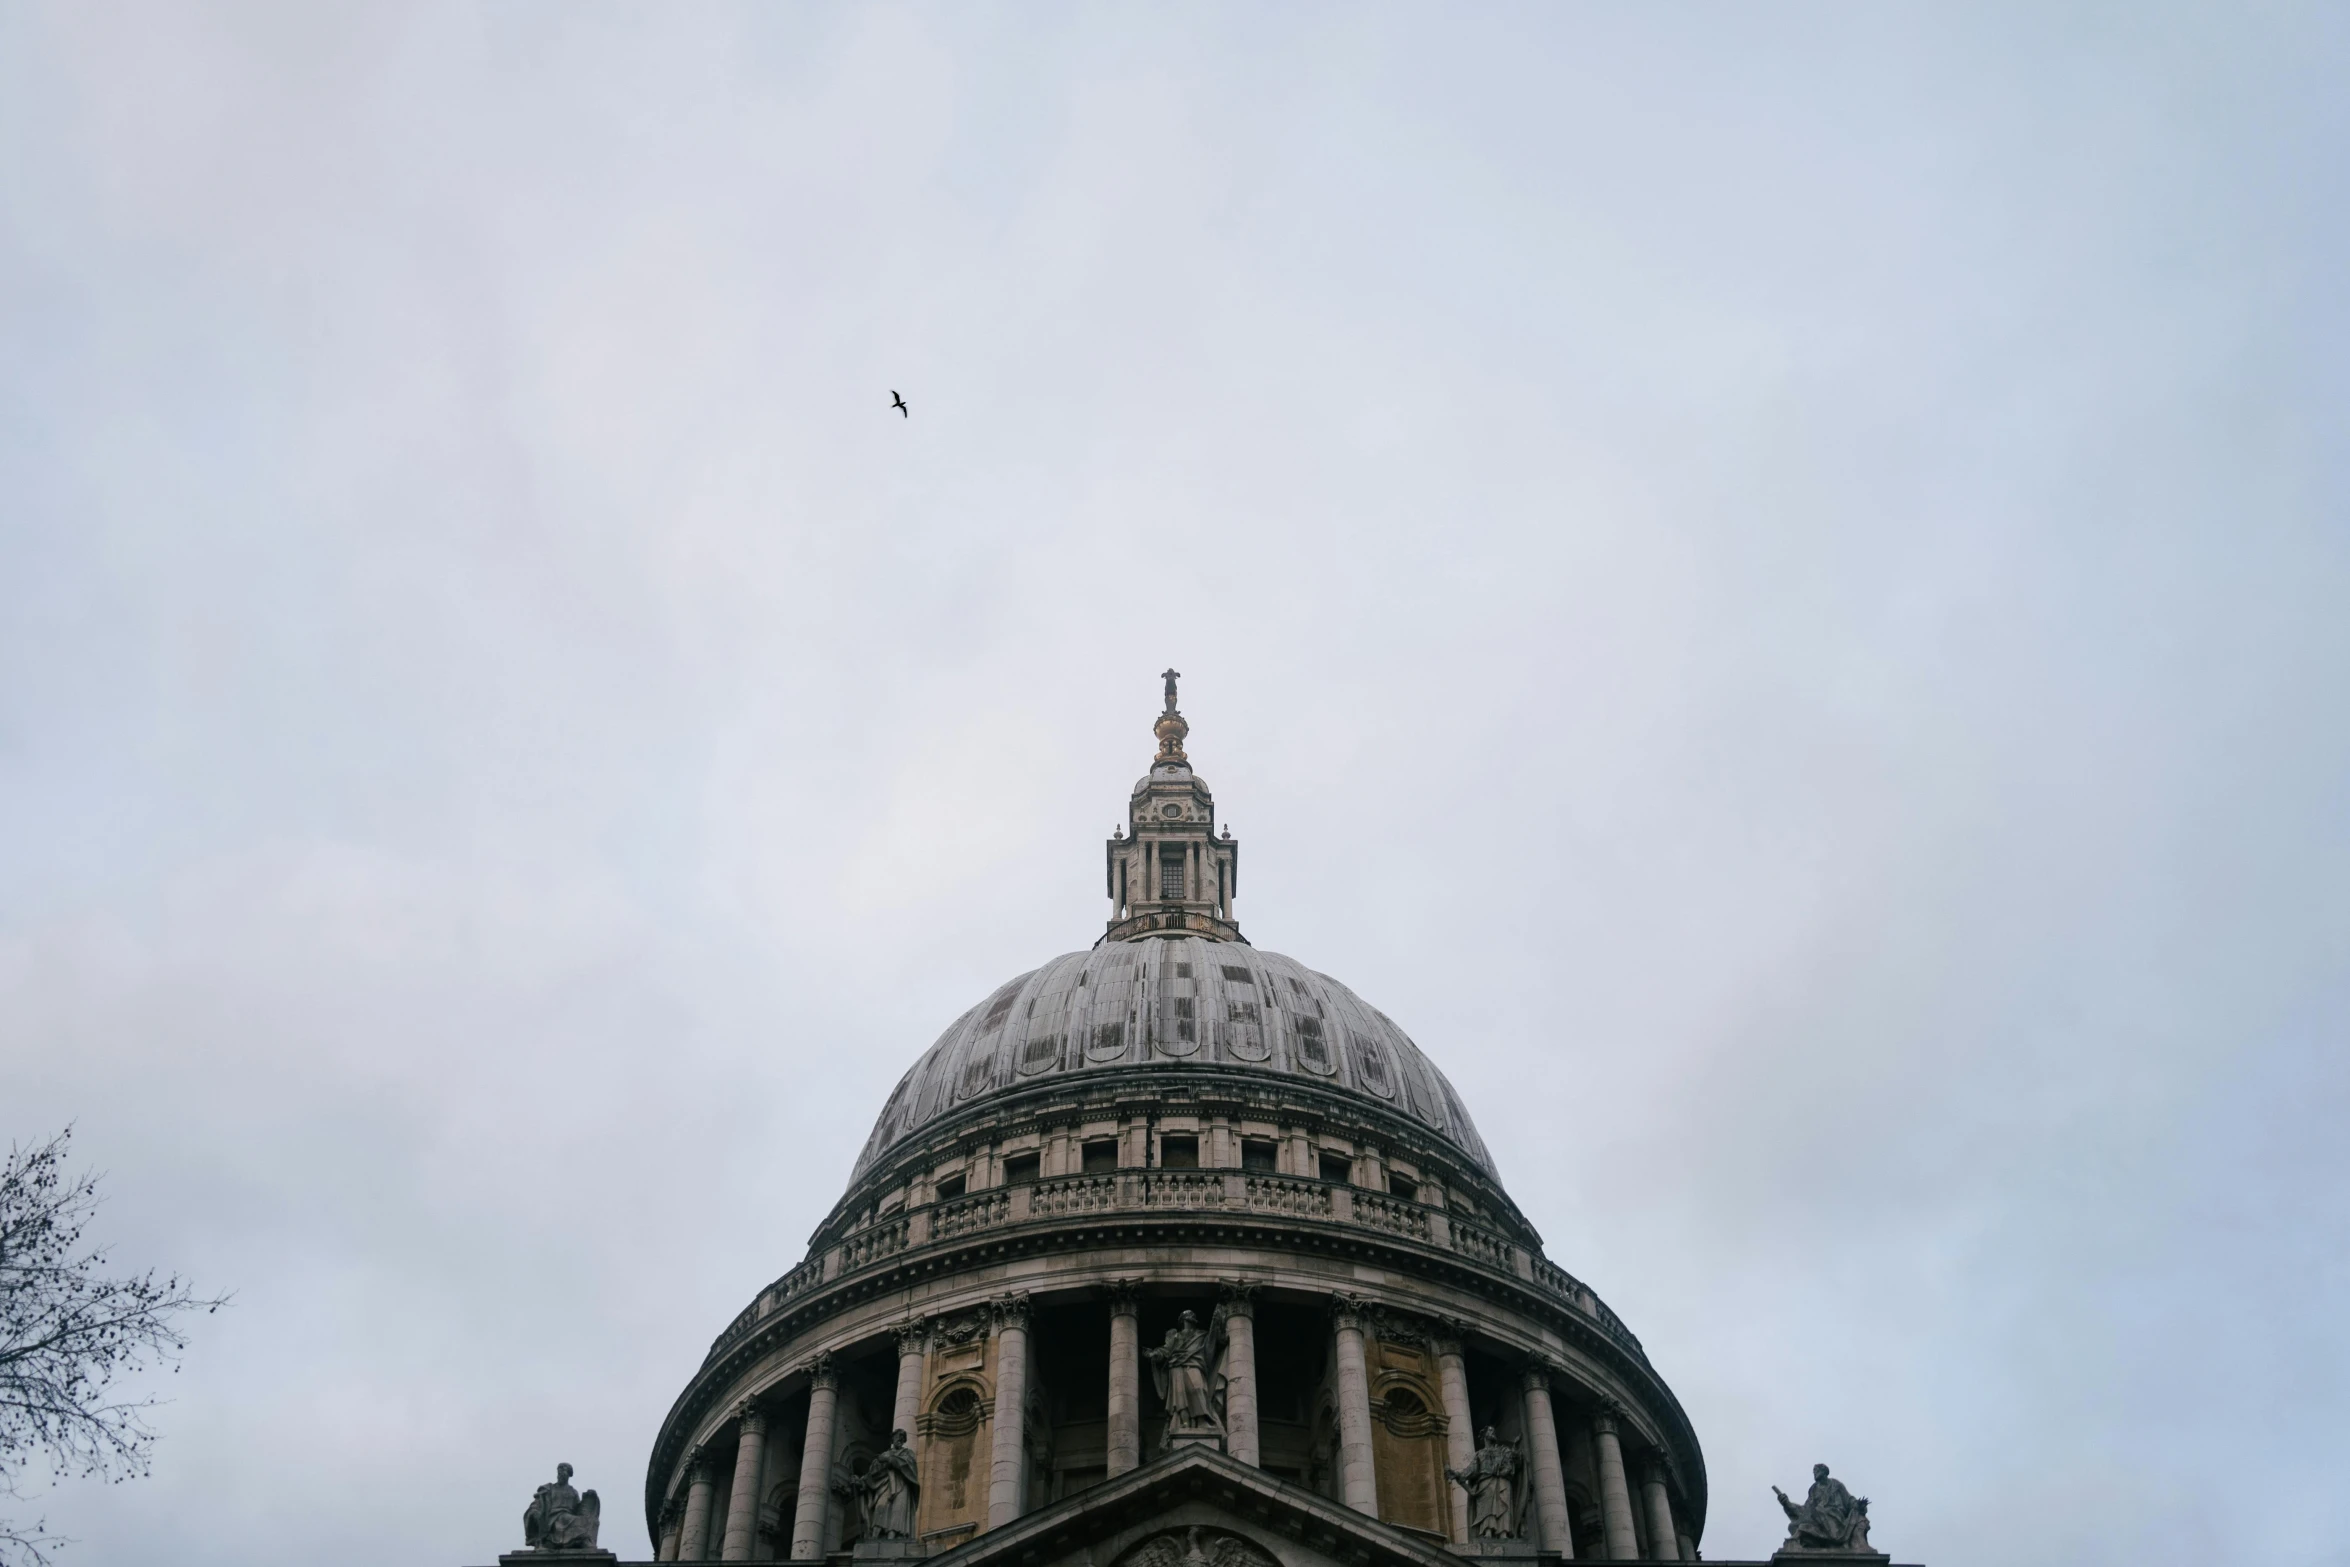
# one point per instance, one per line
(1492, 1483)
(561, 1519)
(1830, 1519)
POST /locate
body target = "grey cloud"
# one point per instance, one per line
(1767, 584)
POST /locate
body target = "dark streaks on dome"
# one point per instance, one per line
(1127, 1006)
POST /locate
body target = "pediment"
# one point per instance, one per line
(1198, 1509)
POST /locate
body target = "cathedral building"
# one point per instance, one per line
(1175, 1252)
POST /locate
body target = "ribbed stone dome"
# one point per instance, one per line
(1178, 1134)
(1172, 1002)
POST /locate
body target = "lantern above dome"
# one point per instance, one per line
(1169, 872)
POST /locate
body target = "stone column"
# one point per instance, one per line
(1688, 1546)
(1240, 1371)
(693, 1538)
(808, 1517)
(1007, 1465)
(672, 1519)
(1550, 1478)
(742, 1503)
(905, 1410)
(1358, 1477)
(1460, 1436)
(1125, 1380)
(1615, 1497)
(1661, 1533)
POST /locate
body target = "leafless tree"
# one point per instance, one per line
(67, 1331)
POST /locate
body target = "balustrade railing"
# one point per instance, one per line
(1386, 1213)
(1070, 1194)
(962, 1215)
(805, 1277)
(874, 1242)
(1287, 1194)
(1075, 1196)
(1179, 1189)
(1479, 1244)
(1558, 1281)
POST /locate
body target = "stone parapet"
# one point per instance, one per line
(1085, 1200)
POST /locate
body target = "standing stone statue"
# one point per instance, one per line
(1179, 1370)
(1492, 1483)
(561, 1519)
(1830, 1519)
(891, 1492)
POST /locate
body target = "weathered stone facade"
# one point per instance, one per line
(1171, 1122)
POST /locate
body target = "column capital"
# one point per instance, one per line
(1655, 1471)
(1348, 1311)
(1010, 1311)
(820, 1372)
(1603, 1419)
(697, 1466)
(750, 1417)
(1239, 1299)
(1536, 1377)
(1125, 1295)
(914, 1337)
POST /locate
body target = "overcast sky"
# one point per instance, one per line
(1769, 582)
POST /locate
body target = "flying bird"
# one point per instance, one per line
(899, 403)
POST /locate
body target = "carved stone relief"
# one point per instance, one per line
(1198, 1546)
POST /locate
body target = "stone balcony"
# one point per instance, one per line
(1062, 1201)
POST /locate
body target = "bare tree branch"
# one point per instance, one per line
(67, 1331)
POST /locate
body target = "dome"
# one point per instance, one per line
(1180, 1139)
(1169, 1003)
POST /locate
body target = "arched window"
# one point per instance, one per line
(1407, 1446)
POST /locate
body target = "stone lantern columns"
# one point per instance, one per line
(1358, 1477)
(1240, 1372)
(1125, 1434)
(742, 1503)
(1615, 1496)
(808, 1518)
(1008, 1453)
(1550, 1480)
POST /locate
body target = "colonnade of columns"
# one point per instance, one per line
(686, 1531)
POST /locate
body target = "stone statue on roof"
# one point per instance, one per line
(560, 1518)
(1830, 1518)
